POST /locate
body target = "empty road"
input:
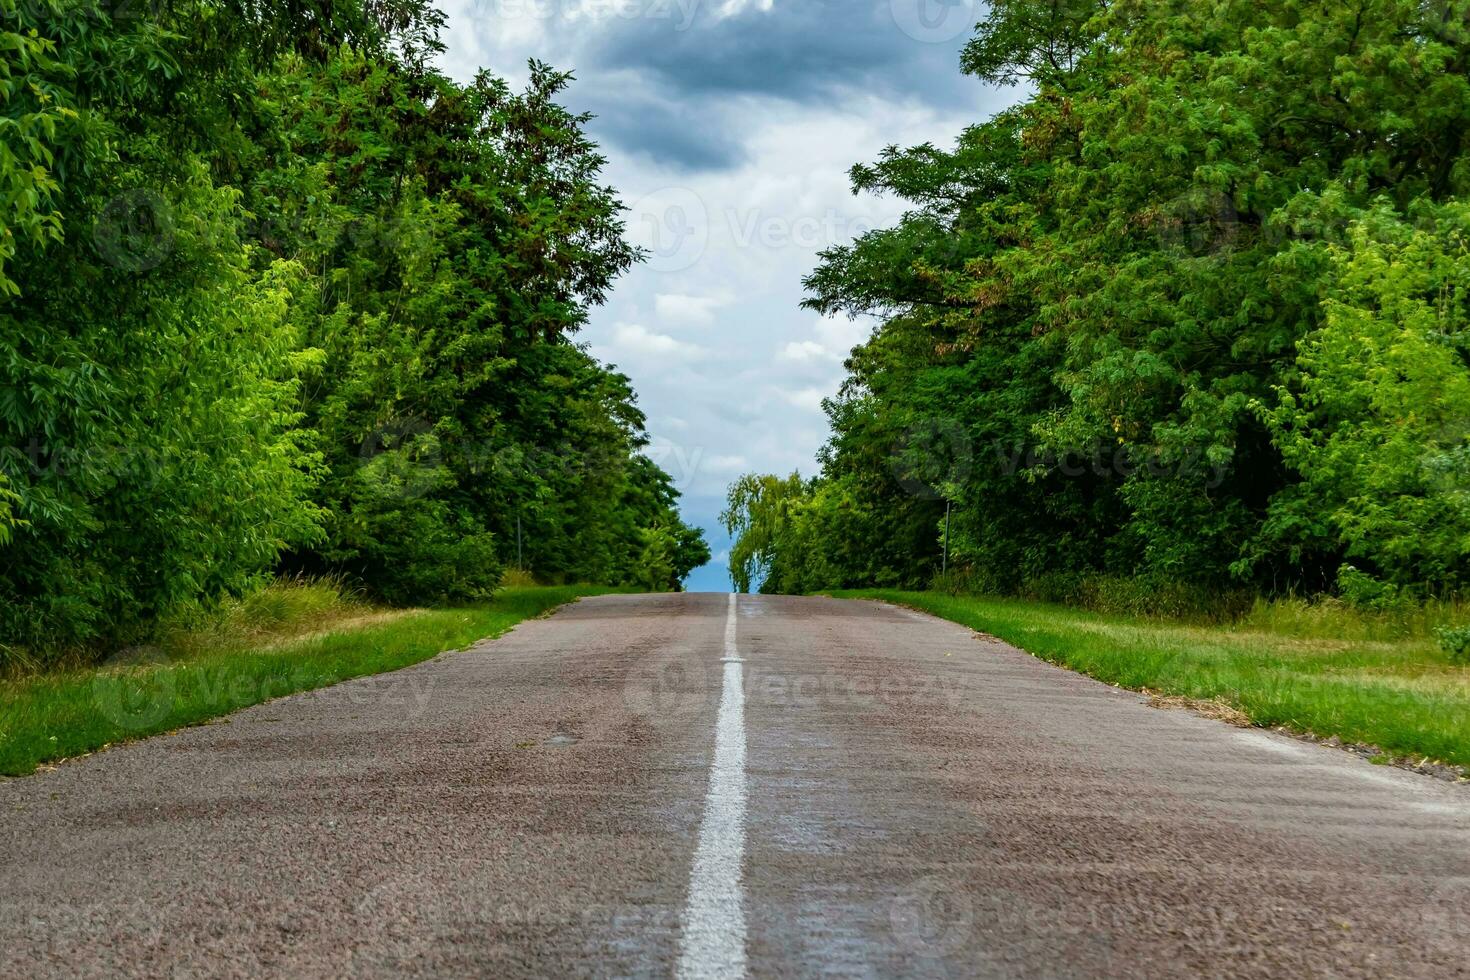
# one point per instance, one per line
(696, 785)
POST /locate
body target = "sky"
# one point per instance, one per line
(730, 127)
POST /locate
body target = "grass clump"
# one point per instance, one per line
(517, 578)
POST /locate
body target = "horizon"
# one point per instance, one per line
(729, 369)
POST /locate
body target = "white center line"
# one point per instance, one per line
(713, 939)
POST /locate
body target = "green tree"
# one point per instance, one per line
(758, 515)
(1376, 420)
(37, 112)
(148, 366)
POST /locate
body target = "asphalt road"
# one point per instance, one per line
(657, 785)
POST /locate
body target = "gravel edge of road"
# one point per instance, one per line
(1454, 775)
(221, 719)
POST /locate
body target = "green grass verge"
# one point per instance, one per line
(1402, 695)
(292, 637)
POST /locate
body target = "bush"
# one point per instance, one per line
(1146, 595)
(1065, 588)
(1163, 597)
(967, 581)
(1362, 591)
(1455, 641)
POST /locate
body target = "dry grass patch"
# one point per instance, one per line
(1216, 708)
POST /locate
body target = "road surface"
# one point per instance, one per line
(699, 786)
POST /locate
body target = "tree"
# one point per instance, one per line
(757, 514)
(1376, 420)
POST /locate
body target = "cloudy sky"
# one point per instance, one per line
(729, 127)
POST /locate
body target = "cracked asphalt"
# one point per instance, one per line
(918, 801)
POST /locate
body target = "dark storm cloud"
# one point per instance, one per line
(670, 80)
(802, 51)
(685, 135)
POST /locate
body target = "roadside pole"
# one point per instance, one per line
(944, 569)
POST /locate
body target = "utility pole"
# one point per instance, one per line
(944, 570)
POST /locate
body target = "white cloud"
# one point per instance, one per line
(728, 464)
(731, 8)
(678, 308)
(834, 341)
(637, 340)
(809, 399)
(804, 350)
(840, 336)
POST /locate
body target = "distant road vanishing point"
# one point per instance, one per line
(710, 786)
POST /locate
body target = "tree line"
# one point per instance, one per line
(277, 296)
(1194, 313)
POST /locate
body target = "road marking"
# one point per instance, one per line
(713, 940)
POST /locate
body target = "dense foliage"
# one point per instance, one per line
(280, 296)
(1194, 311)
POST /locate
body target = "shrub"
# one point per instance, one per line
(1362, 591)
(1455, 641)
(1145, 595)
